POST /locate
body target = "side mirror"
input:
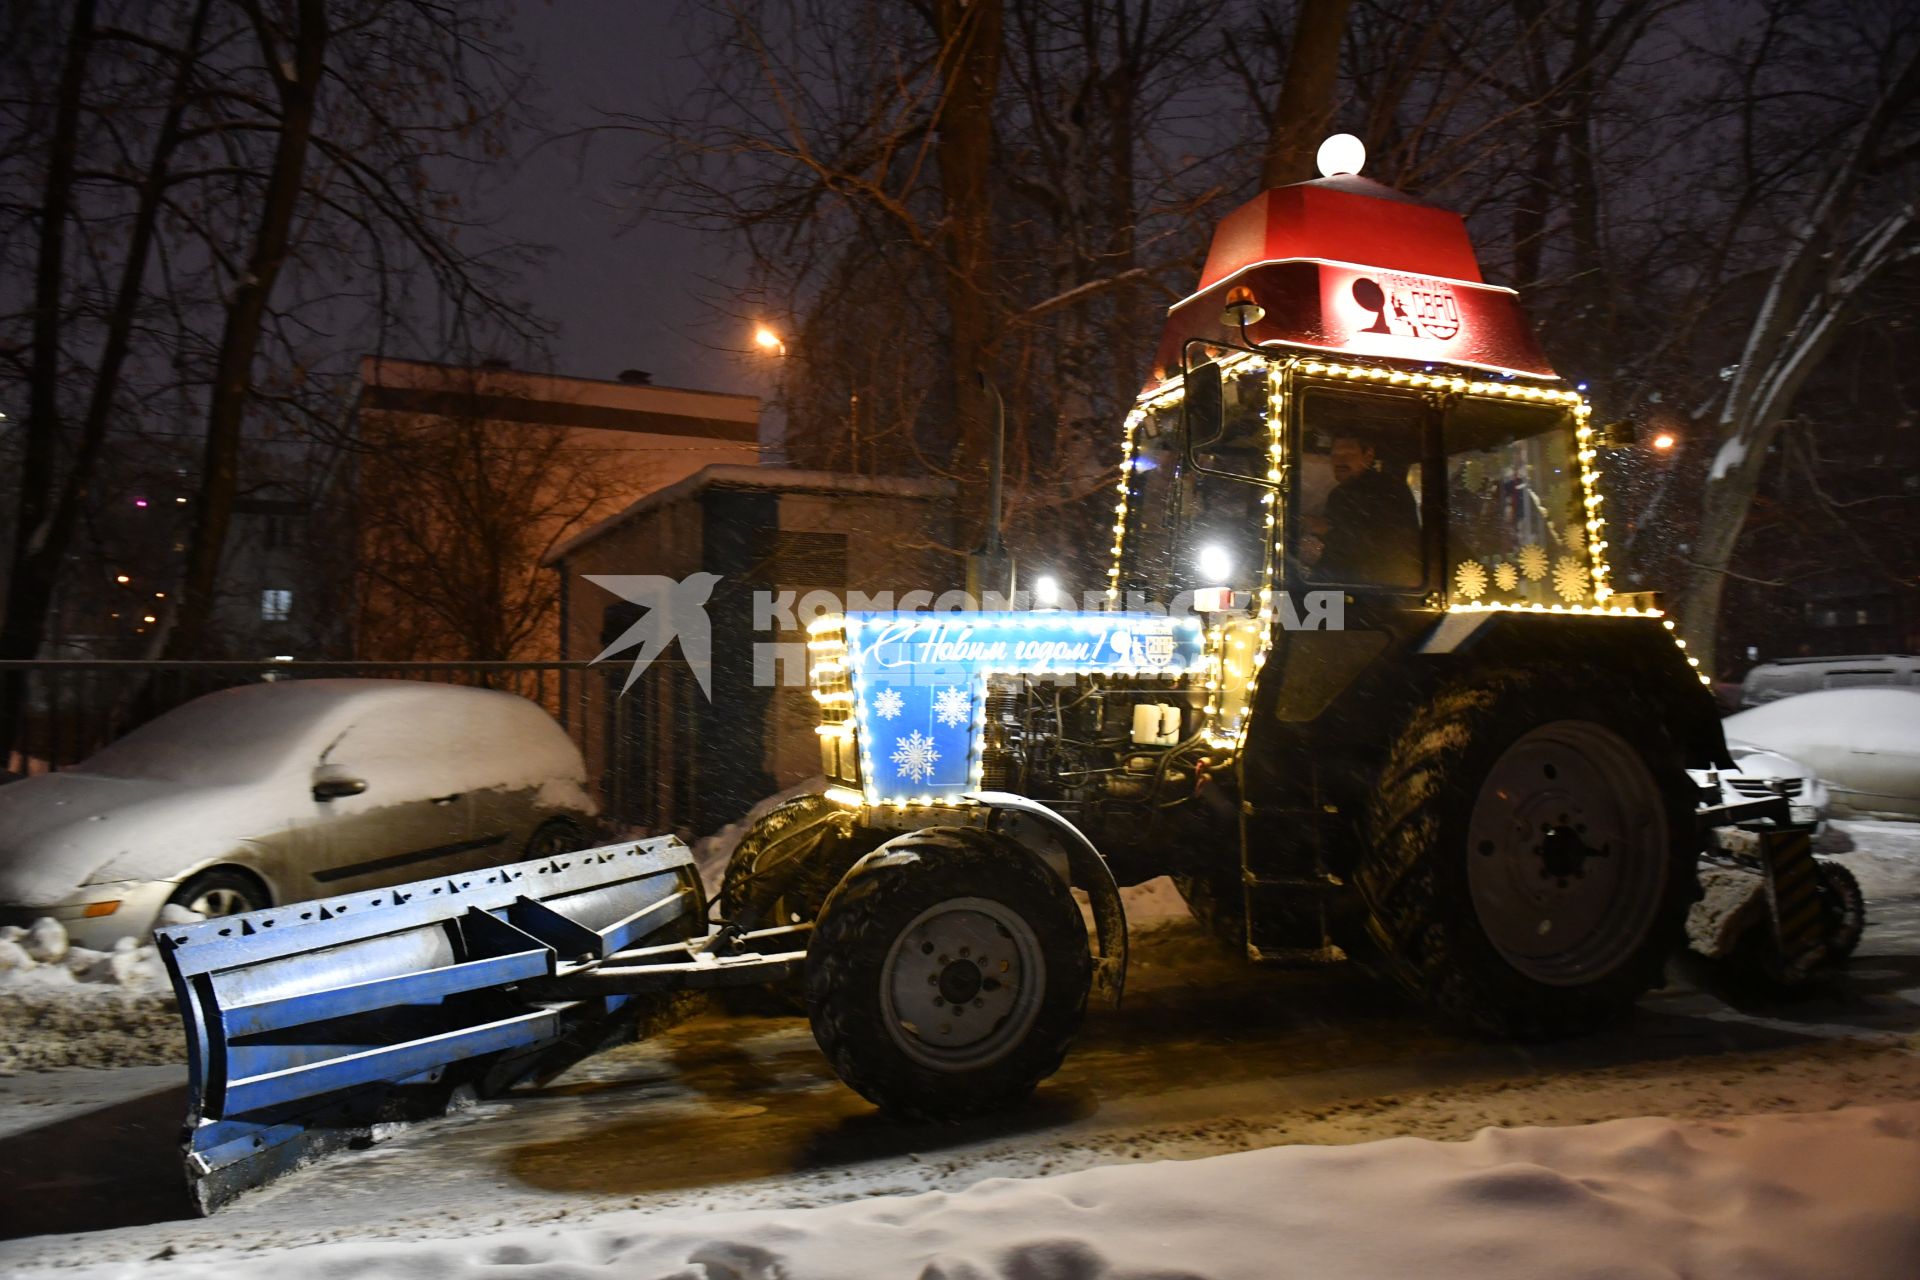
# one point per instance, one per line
(1204, 407)
(330, 784)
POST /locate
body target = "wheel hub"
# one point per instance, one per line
(962, 983)
(1568, 852)
(1563, 854)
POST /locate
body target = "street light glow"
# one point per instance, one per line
(1046, 590)
(767, 340)
(1664, 441)
(1215, 564)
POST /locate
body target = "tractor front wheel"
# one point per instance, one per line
(947, 974)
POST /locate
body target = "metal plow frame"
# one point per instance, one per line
(309, 1024)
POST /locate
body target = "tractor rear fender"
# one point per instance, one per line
(1639, 650)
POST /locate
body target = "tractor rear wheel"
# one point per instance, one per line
(1218, 903)
(947, 975)
(787, 863)
(1532, 857)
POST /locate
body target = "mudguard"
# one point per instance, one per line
(1045, 832)
(309, 1024)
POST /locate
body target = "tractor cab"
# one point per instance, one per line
(1345, 405)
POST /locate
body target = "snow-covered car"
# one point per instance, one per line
(1758, 772)
(1862, 744)
(282, 792)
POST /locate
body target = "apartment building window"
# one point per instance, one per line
(276, 605)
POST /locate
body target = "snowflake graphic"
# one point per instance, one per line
(951, 707)
(886, 703)
(915, 756)
(1570, 578)
(1533, 562)
(1469, 579)
(1505, 576)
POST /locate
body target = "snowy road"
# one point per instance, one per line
(1206, 1056)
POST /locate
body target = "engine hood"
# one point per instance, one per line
(59, 831)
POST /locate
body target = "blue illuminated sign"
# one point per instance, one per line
(919, 680)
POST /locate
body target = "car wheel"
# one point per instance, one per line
(555, 836)
(221, 892)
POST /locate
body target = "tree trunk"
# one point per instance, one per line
(1306, 93)
(970, 71)
(36, 558)
(1798, 321)
(299, 84)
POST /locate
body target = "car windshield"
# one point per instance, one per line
(236, 736)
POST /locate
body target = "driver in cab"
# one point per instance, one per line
(1369, 531)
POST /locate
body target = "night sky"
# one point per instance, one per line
(626, 293)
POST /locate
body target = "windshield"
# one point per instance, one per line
(229, 737)
(1516, 512)
(1187, 528)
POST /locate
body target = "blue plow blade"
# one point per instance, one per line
(309, 1024)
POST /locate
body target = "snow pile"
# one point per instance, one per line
(1781, 1196)
(40, 958)
(68, 1006)
(1883, 856)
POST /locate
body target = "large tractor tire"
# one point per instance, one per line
(948, 973)
(1218, 903)
(787, 863)
(780, 873)
(1845, 908)
(1532, 852)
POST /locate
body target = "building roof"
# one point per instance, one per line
(756, 479)
(515, 395)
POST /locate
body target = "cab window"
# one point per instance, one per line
(1358, 488)
(1189, 527)
(1516, 519)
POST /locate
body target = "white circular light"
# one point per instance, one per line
(1215, 564)
(1341, 153)
(1046, 590)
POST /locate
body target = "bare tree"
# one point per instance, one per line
(1856, 220)
(455, 515)
(222, 203)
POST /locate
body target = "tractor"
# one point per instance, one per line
(1362, 687)
(1359, 682)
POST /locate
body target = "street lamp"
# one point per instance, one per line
(1664, 441)
(768, 341)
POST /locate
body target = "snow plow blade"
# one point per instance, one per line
(310, 1024)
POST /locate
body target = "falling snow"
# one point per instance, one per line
(915, 756)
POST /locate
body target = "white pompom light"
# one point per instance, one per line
(1341, 153)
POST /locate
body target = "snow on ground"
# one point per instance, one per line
(1883, 856)
(68, 1006)
(1779, 1196)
